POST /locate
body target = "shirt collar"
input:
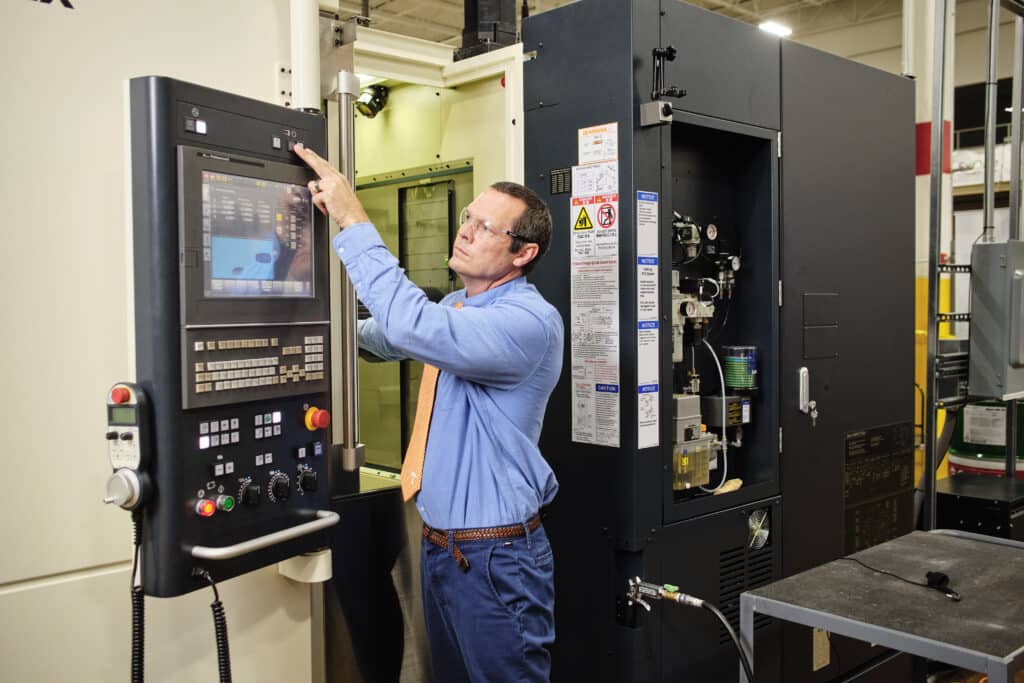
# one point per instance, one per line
(484, 298)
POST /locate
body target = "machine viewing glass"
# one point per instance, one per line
(257, 237)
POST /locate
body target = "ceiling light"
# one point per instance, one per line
(776, 28)
(372, 100)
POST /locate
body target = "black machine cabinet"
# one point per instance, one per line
(231, 331)
(769, 213)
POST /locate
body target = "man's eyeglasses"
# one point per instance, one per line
(486, 227)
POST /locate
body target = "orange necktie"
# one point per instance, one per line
(412, 466)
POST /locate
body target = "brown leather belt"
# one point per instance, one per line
(439, 537)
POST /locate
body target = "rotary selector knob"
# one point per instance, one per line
(308, 480)
(249, 493)
(279, 487)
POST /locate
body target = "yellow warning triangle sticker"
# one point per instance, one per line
(583, 221)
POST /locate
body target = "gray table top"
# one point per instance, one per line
(990, 578)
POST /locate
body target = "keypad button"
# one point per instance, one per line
(259, 460)
(234, 437)
(277, 430)
(215, 440)
(204, 427)
(229, 468)
(204, 442)
(215, 426)
(234, 423)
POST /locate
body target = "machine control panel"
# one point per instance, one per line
(232, 335)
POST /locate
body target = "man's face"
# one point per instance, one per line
(482, 254)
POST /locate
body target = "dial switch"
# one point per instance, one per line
(250, 493)
(308, 480)
(279, 487)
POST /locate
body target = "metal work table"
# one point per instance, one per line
(984, 632)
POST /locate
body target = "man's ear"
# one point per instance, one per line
(525, 255)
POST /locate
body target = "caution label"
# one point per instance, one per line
(583, 221)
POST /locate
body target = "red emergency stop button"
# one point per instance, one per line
(317, 419)
(120, 395)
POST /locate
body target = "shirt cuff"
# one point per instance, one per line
(355, 239)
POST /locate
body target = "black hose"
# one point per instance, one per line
(735, 640)
(220, 630)
(138, 609)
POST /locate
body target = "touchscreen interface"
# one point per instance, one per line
(257, 237)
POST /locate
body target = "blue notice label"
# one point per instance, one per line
(647, 325)
(647, 260)
(647, 389)
(647, 196)
(607, 388)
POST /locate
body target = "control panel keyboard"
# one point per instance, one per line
(225, 364)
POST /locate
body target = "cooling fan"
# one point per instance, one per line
(758, 523)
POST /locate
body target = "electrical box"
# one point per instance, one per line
(997, 320)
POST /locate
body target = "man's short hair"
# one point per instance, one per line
(533, 225)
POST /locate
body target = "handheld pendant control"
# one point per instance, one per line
(127, 438)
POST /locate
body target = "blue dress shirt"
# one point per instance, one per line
(500, 356)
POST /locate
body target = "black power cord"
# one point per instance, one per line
(220, 628)
(933, 580)
(138, 607)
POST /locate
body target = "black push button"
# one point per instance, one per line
(127, 436)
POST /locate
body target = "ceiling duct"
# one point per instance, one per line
(490, 25)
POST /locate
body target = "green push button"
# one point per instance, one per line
(226, 503)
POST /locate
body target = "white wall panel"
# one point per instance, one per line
(66, 335)
(77, 628)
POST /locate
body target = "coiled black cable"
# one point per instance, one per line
(220, 629)
(138, 608)
(735, 641)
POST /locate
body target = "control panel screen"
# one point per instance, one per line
(122, 415)
(257, 237)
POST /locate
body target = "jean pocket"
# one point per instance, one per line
(540, 549)
(504, 578)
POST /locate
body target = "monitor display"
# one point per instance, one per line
(257, 237)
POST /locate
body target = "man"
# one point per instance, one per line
(486, 564)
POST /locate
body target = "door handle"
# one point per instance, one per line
(804, 396)
(806, 404)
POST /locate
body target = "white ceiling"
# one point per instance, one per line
(441, 20)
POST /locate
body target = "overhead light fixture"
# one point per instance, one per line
(372, 100)
(776, 28)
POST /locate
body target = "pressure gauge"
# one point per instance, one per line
(711, 232)
(735, 263)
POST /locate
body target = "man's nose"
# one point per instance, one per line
(466, 231)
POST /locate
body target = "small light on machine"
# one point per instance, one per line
(206, 508)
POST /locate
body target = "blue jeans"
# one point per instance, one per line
(494, 622)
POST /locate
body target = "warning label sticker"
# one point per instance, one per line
(583, 221)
